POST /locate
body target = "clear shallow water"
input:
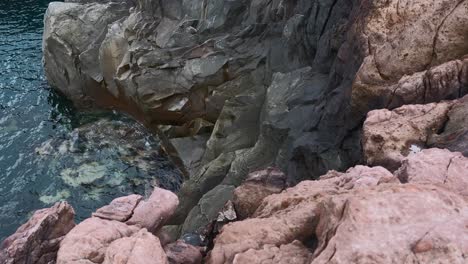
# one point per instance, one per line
(49, 151)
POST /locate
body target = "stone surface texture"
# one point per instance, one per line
(278, 83)
(38, 240)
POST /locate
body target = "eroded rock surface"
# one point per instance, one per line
(255, 188)
(364, 215)
(38, 240)
(291, 215)
(436, 166)
(388, 135)
(121, 232)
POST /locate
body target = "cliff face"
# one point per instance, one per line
(283, 83)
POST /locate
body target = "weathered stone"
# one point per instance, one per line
(455, 132)
(290, 215)
(256, 187)
(293, 253)
(88, 241)
(393, 224)
(142, 247)
(120, 209)
(38, 240)
(155, 211)
(181, 253)
(436, 166)
(389, 135)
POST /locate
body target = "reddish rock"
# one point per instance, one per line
(436, 166)
(88, 241)
(255, 188)
(38, 240)
(293, 253)
(120, 209)
(141, 248)
(181, 253)
(393, 224)
(290, 215)
(389, 135)
(154, 212)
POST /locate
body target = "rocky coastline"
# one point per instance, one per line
(330, 131)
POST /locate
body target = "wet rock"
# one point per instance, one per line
(120, 209)
(436, 166)
(38, 240)
(142, 247)
(89, 240)
(388, 135)
(155, 211)
(256, 187)
(181, 253)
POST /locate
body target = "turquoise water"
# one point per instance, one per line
(51, 152)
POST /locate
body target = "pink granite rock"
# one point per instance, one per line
(88, 241)
(181, 253)
(393, 224)
(255, 188)
(154, 212)
(120, 209)
(293, 253)
(290, 215)
(436, 166)
(37, 241)
(141, 248)
(389, 135)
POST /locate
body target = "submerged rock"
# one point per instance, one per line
(37, 241)
(103, 159)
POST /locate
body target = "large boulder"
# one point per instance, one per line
(88, 241)
(142, 247)
(125, 231)
(291, 215)
(37, 241)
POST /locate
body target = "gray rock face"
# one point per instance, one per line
(285, 83)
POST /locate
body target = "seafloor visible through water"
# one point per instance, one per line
(51, 152)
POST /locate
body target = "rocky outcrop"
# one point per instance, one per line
(291, 215)
(37, 241)
(284, 83)
(363, 215)
(121, 232)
